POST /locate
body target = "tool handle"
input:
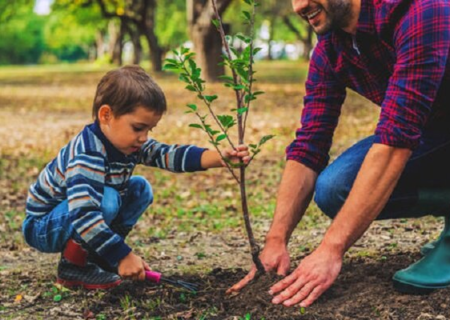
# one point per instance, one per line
(153, 276)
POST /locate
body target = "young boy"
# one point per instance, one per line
(85, 202)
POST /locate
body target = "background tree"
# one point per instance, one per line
(21, 33)
(205, 38)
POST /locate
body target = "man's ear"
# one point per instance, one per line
(105, 113)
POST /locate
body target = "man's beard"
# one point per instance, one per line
(338, 14)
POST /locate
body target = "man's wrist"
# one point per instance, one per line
(333, 246)
(276, 240)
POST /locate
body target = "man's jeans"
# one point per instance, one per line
(423, 188)
(50, 233)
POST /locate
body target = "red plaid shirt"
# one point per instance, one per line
(397, 59)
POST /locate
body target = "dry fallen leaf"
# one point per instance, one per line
(18, 298)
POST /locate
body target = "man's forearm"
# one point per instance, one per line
(294, 195)
(373, 186)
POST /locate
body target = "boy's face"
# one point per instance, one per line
(130, 131)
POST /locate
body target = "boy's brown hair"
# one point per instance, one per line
(126, 88)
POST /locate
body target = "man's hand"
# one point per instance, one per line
(315, 274)
(133, 267)
(274, 257)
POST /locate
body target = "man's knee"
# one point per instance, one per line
(330, 193)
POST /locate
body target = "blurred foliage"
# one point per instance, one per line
(21, 30)
(70, 31)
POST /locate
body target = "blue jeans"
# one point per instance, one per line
(49, 233)
(423, 188)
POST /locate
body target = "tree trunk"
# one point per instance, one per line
(116, 42)
(99, 44)
(146, 27)
(205, 37)
(135, 37)
(137, 47)
(308, 43)
(208, 49)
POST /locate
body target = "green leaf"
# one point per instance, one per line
(228, 78)
(57, 298)
(226, 121)
(265, 139)
(247, 15)
(193, 107)
(256, 50)
(216, 23)
(221, 137)
(239, 87)
(195, 125)
(210, 98)
(253, 146)
(184, 77)
(192, 65)
(170, 66)
(242, 110)
(173, 61)
(190, 55)
(191, 88)
(257, 93)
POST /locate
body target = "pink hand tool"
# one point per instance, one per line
(157, 277)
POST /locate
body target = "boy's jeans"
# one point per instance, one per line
(50, 233)
(423, 189)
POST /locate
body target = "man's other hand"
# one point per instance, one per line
(315, 274)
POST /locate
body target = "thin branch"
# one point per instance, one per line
(250, 67)
(208, 104)
(235, 77)
(217, 149)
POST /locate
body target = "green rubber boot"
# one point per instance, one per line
(429, 273)
(433, 200)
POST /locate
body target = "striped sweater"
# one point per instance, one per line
(82, 169)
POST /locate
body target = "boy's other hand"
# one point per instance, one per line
(235, 156)
(133, 267)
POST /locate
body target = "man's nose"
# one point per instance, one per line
(300, 5)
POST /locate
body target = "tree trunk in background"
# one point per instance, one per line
(140, 13)
(205, 37)
(99, 45)
(308, 43)
(146, 27)
(137, 47)
(306, 40)
(135, 37)
(116, 42)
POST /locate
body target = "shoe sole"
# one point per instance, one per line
(414, 289)
(74, 283)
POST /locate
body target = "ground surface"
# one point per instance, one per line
(194, 229)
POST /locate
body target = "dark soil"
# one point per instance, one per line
(362, 291)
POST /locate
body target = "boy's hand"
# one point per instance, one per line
(133, 267)
(235, 156)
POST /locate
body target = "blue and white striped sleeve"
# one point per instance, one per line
(175, 158)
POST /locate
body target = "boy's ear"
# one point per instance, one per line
(104, 113)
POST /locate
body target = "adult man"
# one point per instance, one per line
(395, 53)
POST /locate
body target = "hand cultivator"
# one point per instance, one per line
(157, 277)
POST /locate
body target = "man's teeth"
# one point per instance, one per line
(313, 14)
